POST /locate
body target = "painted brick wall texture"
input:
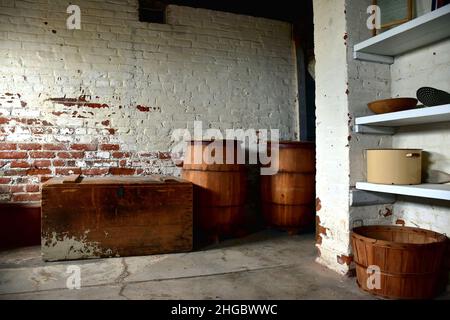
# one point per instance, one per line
(344, 87)
(105, 99)
(429, 66)
(332, 131)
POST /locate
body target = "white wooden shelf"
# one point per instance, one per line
(431, 191)
(386, 123)
(422, 31)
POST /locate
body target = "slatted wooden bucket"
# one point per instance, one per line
(410, 261)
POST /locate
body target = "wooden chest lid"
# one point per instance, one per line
(111, 181)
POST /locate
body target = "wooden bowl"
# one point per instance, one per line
(392, 105)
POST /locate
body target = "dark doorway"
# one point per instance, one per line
(304, 45)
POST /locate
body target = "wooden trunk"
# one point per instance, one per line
(411, 261)
(220, 192)
(111, 217)
(288, 197)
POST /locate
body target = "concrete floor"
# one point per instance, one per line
(268, 265)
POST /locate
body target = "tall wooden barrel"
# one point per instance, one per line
(410, 261)
(219, 188)
(288, 197)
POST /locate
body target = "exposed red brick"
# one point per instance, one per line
(45, 178)
(139, 171)
(96, 105)
(71, 163)
(54, 146)
(32, 121)
(26, 197)
(40, 130)
(112, 131)
(67, 171)
(70, 155)
(344, 259)
(44, 130)
(5, 180)
(164, 155)
(59, 163)
(79, 102)
(84, 147)
(32, 188)
(24, 179)
(17, 189)
(95, 171)
(318, 204)
(318, 239)
(38, 172)
(10, 173)
(30, 146)
(385, 213)
(8, 146)
(4, 120)
(13, 155)
(42, 163)
(109, 147)
(121, 155)
(319, 231)
(42, 155)
(143, 108)
(122, 171)
(66, 101)
(105, 123)
(20, 164)
(148, 154)
(123, 163)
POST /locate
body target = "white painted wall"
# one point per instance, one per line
(227, 70)
(429, 67)
(344, 87)
(332, 131)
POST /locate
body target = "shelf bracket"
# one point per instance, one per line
(360, 198)
(373, 57)
(363, 129)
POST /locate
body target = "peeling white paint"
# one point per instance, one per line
(62, 247)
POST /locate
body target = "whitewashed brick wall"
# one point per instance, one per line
(332, 181)
(105, 99)
(344, 87)
(430, 67)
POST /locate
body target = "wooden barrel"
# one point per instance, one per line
(288, 197)
(219, 189)
(410, 261)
